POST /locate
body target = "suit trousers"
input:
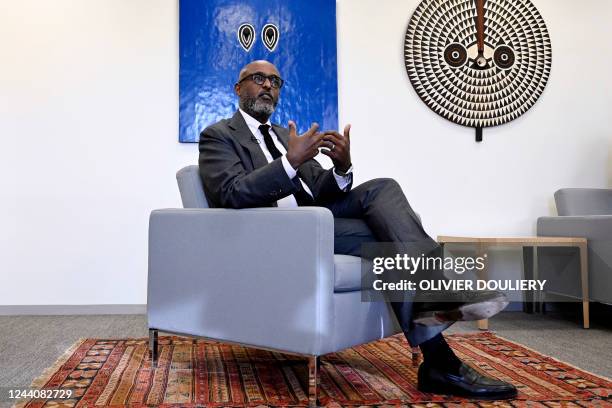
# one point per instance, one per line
(378, 211)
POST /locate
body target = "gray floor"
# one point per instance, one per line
(29, 344)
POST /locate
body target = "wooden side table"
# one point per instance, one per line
(531, 244)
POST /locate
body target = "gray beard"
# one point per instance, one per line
(256, 107)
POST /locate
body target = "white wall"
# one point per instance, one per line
(88, 119)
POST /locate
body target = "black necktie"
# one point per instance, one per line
(301, 196)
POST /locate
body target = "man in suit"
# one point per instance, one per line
(246, 161)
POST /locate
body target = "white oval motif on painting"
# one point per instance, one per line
(270, 35)
(246, 36)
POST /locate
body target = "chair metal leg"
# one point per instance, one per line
(313, 381)
(153, 347)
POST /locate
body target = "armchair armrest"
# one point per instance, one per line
(561, 265)
(592, 227)
(261, 277)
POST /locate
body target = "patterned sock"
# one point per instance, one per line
(437, 353)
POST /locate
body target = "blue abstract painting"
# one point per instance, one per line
(218, 37)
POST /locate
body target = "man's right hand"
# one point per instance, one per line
(304, 147)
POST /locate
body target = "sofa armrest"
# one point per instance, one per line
(261, 277)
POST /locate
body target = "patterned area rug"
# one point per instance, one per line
(194, 373)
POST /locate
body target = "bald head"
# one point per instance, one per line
(261, 66)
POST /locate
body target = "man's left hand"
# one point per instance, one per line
(338, 148)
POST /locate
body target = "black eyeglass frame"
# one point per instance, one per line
(271, 78)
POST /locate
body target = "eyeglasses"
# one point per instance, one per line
(260, 79)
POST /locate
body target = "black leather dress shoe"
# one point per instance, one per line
(469, 383)
(434, 308)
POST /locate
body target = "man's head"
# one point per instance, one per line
(258, 99)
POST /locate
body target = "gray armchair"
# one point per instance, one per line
(583, 212)
(265, 277)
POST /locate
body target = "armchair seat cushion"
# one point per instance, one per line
(347, 273)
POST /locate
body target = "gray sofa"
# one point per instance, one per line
(583, 212)
(246, 277)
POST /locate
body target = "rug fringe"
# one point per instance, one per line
(47, 373)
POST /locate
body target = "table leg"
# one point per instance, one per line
(484, 274)
(528, 296)
(584, 276)
(483, 324)
(537, 295)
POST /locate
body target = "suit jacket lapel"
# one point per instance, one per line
(244, 136)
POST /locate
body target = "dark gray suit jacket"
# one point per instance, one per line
(236, 174)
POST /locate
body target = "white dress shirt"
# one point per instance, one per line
(289, 201)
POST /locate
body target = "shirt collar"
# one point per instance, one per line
(253, 123)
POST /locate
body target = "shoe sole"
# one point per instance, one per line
(467, 312)
(458, 392)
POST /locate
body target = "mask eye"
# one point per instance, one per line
(455, 55)
(504, 57)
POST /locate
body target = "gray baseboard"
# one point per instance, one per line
(20, 310)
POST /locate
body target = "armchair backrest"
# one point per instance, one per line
(584, 201)
(190, 186)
